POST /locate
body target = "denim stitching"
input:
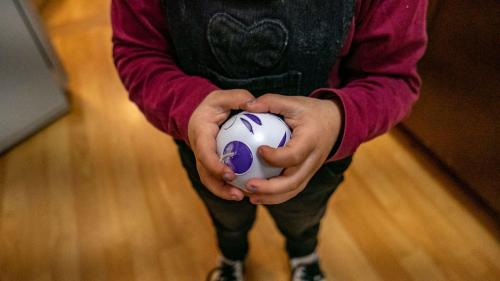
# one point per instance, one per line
(229, 22)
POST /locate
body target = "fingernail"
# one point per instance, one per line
(251, 188)
(234, 197)
(227, 177)
(256, 201)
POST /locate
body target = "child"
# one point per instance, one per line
(340, 72)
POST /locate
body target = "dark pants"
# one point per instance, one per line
(297, 219)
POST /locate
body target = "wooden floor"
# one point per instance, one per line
(101, 195)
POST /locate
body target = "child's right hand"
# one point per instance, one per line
(202, 131)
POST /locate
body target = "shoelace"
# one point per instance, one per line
(226, 273)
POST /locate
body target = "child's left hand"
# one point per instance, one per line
(315, 124)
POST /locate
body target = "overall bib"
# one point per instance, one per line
(286, 47)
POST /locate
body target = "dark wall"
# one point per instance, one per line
(457, 115)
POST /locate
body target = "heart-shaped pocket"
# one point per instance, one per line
(246, 51)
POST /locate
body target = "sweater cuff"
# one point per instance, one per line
(198, 91)
(345, 145)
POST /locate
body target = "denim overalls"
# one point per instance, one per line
(265, 46)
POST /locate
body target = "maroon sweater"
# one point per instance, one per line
(375, 77)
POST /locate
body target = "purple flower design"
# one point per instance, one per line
(254, 118)
(238, 157)
(247, 124)
(283, 140)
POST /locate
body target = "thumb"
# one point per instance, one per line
(234, 99)
(274, 103)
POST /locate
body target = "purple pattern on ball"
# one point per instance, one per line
(283, 140)
(253, 118)
(242, 158)
(228, 125)
(247, 124)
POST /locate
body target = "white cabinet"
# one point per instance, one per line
(31, 80)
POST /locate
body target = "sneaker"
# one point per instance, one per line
(227, 270)
(306, 268)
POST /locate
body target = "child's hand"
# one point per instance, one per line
(315, 124)
(202, 130)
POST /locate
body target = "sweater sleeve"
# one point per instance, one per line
(146, 65)
(378, 80)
